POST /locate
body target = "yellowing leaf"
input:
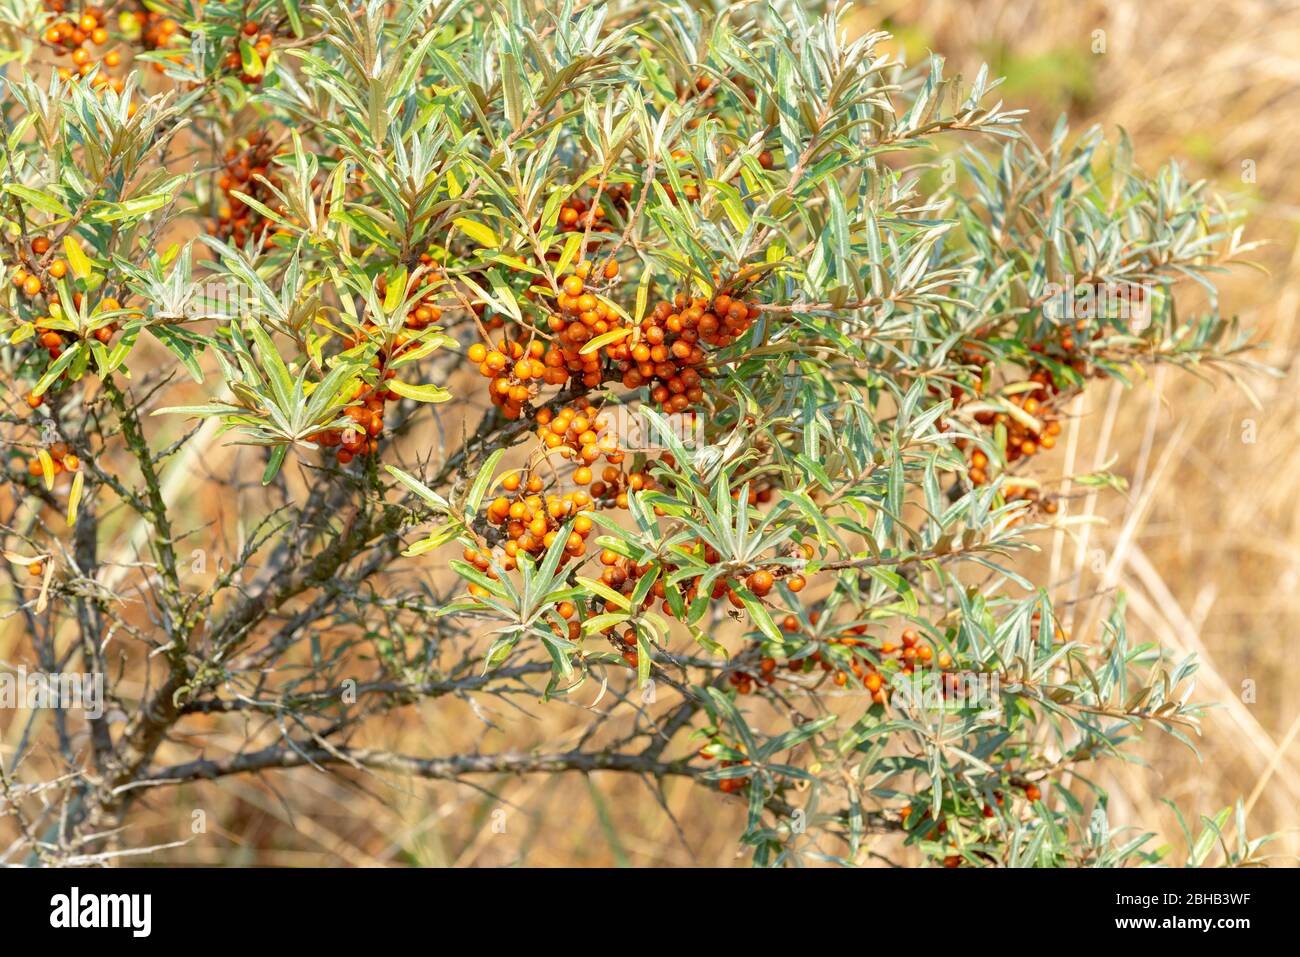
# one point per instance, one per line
(396, 290)
(478, 232)
(642, 295)
(420, 393)
(614, 335)
(47, 468)
(81, 267)
(74, 497)
(569, 253)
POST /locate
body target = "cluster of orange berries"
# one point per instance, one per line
(669, 350)
(744, 681)
(731, 785)
(1035, 498)
(514, 370)
(75, 37)
(262, 44)
(237, 221)
(367, 415)
(1064, 346)
(665, 351)
(614, 484)
(427, 311)
(362, 436)
(29, 282)
(911, 651)
(64, 460)
(157, 31)
(759, 582)
(627, 646)
(53, 341)
(1023, 441)
(930, 827)
(531, 523)
(760, 493)
(577, 434)
(727, 785)
(576, 215)
(581, 316)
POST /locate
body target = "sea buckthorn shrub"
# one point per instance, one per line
(697, 358)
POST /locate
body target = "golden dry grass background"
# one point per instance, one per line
(1206, 543)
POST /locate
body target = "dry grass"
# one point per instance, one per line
(1206, 543)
